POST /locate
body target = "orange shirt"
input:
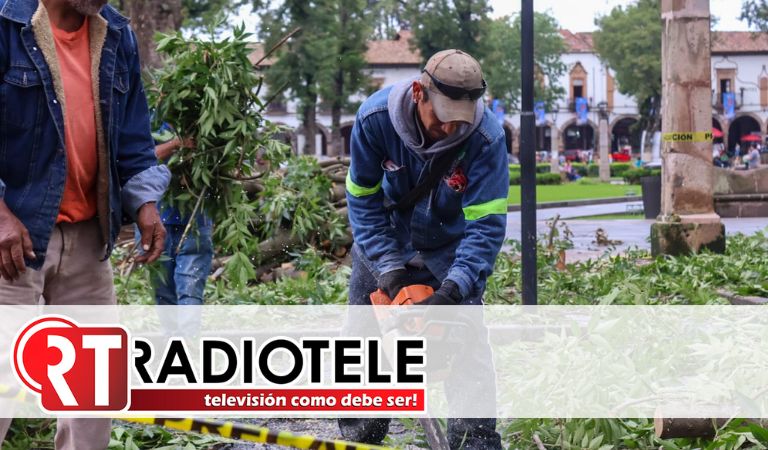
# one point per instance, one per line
(73, 52)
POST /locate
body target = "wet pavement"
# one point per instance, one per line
(626, 233)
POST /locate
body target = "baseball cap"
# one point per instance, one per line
(455, 82)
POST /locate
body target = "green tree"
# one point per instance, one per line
(501, 66)
(388, 17)
(755, 12)
(326, 61)
(152, 16)
(348, 76)
(441, 24)
(628, 40)
(199, 13)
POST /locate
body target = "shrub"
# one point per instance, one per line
(541, 178)
(543, 168)
(548, 178)
(581, 169)
(632, 176)
(618, 169)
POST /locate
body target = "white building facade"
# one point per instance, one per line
(739, 61)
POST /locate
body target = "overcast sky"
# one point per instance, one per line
(579, 15)
(574, 15)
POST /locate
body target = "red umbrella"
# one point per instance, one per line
(750, 138)
(717, 133)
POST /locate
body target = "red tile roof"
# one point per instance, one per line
(722, 42)
(739, 42)
(396, 52)
(577, 42)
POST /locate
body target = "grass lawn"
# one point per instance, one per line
(578, 190)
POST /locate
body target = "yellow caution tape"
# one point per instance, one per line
(230, 430)
(252, 433)
(691, 136)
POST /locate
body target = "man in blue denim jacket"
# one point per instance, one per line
(451, 236)
(76, 162)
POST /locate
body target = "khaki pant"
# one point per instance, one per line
(73, 274)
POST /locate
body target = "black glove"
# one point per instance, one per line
(391, 282)
(447, 294)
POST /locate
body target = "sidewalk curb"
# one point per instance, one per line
(588, 202)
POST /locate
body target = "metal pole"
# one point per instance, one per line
(528, 160)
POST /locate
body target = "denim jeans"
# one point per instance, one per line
(181, 280)
(478, 433)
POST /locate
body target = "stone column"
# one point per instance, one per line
(554, 160)
(605, 160)
(688, 221)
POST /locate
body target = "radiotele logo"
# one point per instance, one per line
(73, 368)
(87, 369)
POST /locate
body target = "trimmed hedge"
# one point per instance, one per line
(548, 178)
(541, 178)
(632, 176)
(584, 170)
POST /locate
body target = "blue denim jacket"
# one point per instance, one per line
(32, 153)
(456, 232)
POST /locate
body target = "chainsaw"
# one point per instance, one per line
(412, 295)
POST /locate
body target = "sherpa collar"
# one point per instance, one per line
(97, 31)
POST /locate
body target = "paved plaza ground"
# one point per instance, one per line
(631, 233)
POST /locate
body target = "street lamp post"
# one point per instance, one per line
(527, 159)
(605, 163)
(554, 158)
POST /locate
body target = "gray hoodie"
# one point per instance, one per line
(402, 113)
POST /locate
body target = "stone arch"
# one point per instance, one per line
(621, 117)
(578, 137)
(717, 123)
(543, 137)
(622, 134)
(743, 124)
(325, 139)
(345, 130)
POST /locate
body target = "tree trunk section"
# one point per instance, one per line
(149, 17)
(686, 428)
(336, 145)
(310, 128)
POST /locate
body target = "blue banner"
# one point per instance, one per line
(581, 111)
(540, 113)
(729, 105)
(498, 109)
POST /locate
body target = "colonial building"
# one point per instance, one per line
(738, 67)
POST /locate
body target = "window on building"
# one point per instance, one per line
(578, 89)
(725, 86)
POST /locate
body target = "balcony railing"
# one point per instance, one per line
(572, 106)
(717, 101)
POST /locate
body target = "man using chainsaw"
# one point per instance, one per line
(427, 194)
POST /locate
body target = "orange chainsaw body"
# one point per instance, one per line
(409, 295)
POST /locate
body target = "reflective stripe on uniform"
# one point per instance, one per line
(360, 191)
(475, 212)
